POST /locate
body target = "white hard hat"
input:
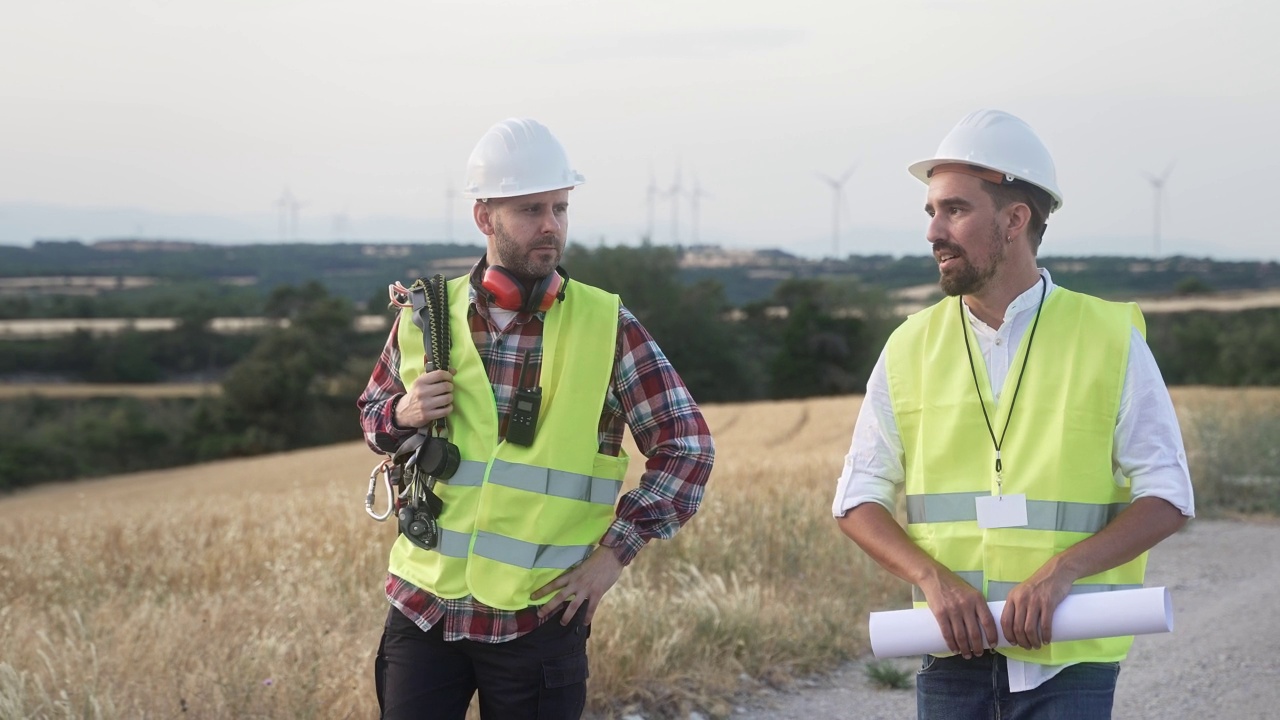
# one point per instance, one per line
(998, 141)
(518, 156)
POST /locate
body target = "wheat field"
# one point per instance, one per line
(252, 588)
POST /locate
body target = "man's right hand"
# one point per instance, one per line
(429, 398)
(961, 612)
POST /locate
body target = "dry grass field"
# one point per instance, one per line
(252, 588)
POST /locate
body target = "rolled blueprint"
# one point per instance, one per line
(1088, 616)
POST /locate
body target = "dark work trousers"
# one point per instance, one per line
(538, 676)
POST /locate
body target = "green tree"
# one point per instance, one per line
(828, 336)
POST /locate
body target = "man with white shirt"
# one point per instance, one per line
(1032, 434)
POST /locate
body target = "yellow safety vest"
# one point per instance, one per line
(1058, 450)
(517, 517)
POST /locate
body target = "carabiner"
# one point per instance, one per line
(384, 468)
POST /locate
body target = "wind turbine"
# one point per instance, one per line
(651, 199)
(1157, 184)
(295, 209)
(695, 198)
(285, 205)
(673, 193)
(837, 187)
(341, 224)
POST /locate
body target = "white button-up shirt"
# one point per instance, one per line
(1147, 446)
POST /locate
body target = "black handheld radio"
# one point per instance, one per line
(522, 424)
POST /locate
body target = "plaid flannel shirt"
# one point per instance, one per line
(645, 394)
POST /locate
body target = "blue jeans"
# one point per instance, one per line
(952, 688)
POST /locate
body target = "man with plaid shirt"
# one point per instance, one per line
(455, 626)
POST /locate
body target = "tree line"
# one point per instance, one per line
(296, 386)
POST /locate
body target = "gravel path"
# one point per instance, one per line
(1221, 660)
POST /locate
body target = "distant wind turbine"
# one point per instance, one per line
(284, 205)
(673, 194)
(295, 211)
(651, 199)
(695, 200)
(837, 187)
(341, 225)
(1157, 184)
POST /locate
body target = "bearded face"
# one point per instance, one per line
(527, 234)
(967, 272)
(527, 261)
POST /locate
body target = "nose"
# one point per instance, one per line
(936, 231)
(550, 223)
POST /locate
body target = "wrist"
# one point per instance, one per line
(928, 575)
(395, 409)
(1063, 567)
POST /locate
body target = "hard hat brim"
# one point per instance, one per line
(920, 171)
(476, 194)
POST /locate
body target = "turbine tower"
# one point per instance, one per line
(341, 224)
(673, 193)
(837, 188)
(695, 199)
(651, 201)
(1157, 185)
(286, 211)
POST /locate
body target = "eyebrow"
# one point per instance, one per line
(953, 201)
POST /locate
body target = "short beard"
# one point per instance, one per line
(517, 261)
(970, 280)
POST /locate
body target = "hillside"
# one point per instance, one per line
(359, 271)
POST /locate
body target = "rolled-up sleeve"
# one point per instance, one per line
(873, 467)
(1149, 450)
(378, 401)
(670, 431)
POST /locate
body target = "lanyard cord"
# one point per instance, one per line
(1044, 289)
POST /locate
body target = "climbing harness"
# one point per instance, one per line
(427, 456)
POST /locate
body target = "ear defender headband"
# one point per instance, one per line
(507, 292)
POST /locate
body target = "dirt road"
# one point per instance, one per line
(1220, 661)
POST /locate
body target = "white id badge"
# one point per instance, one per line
(1002, 511)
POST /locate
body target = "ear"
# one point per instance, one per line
(483, 215)
(1018, 217)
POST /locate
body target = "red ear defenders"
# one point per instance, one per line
(507, 292)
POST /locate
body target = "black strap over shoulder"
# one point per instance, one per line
(431, 314)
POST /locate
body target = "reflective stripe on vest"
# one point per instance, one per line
(997, 591)
(557, 483)
(529, 555)
(470, 474)
(1057, 451)
(1041, 514)
(453, 544)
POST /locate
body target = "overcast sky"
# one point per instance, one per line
(192, 118)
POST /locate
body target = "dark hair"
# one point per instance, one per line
(1035, 198)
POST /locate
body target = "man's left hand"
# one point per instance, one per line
(586, 583)
(1027, 619)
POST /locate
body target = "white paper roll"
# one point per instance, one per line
(1088, 616)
